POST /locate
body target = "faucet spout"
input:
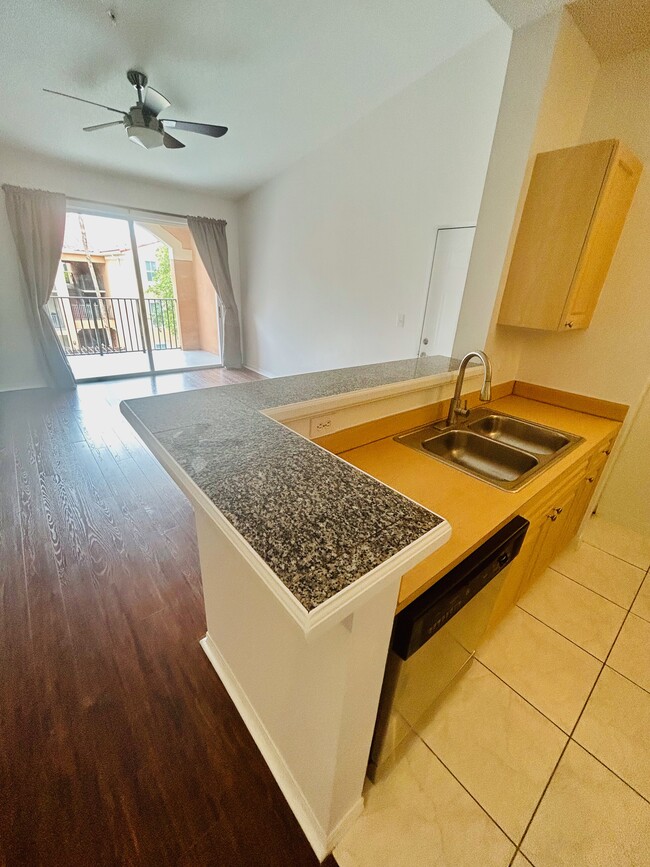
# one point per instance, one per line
(486, 389)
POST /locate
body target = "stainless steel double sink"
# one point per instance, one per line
(497, 448)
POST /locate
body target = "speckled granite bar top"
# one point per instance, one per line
(319, 523)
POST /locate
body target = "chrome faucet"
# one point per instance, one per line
(455, 408)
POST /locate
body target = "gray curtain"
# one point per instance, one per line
(210, 239)
(37, 221)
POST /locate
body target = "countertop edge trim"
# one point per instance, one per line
(338, 606)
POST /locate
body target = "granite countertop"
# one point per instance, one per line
(317, 522)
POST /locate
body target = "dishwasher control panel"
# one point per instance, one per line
(420, 620)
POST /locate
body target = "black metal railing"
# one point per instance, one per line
(95, 326)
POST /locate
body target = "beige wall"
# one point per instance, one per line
(183, 271)
(626, 496)
(551, 74)
(583, 102)
(610, 358)
(197, 305)
(206, 306)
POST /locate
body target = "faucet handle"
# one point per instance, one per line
(463, 411)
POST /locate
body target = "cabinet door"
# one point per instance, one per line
(516, 575)
(560, 204)
(556, 521)
(548, 520)
(585, 492)
(609, 219)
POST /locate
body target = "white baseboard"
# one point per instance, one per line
(321, 842)
(266, 373)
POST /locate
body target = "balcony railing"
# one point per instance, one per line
(95, 326)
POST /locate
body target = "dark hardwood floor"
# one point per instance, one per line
(119, 745)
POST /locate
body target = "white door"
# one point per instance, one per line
(451, 256)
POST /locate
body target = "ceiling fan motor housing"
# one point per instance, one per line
(144, 128)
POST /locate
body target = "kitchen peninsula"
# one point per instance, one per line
(305, 557)
(301, 558)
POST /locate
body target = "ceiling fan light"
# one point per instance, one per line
(145, 137)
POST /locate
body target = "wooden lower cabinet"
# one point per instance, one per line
(555, 516)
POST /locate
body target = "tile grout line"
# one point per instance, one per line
(522, 697)
(624, 676)
(622, 559)
(464, 787)
(562, 635)
(571, 738)
(417, 735)
(618, 776)
(586, 587)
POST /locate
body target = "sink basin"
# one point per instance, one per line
(520, 434)
(480, 455)
(498, 449)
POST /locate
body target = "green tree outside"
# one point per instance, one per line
(163, 315)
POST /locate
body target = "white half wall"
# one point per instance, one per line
(19, 363)
(340, 245)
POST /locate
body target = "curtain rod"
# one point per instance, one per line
(80, 202)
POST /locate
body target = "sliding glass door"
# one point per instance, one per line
(132, 298)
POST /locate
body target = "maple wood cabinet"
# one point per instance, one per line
(555, 516)
(573, 216)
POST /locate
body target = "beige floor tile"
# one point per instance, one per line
(601, 572)
(420, 815)
(631, 653)
(548, 670)
(641, 605)
(499, 747)
(575, 611)
(521, 861)
(618, 540)
(615, 727)
(588, 818)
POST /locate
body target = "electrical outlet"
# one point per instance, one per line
(321, 425)
(401, 319)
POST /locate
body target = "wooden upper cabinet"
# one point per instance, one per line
(572, 219)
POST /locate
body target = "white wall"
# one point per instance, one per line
(340, 244)
(526, 76)
(19, 365)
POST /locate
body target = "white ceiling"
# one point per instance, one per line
(284, 75)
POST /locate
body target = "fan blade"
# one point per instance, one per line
(170, 142)
(79, 99)
(103, 125)
(202, 128)
(155, 102)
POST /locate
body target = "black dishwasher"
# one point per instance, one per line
(436, 636)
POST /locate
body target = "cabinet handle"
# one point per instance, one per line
(606, 452)
(568, 324)
(590, 479)
(558, 511)
(552, 517)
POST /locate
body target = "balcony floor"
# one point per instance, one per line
(129, 363)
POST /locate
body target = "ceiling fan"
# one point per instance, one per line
(141, 121)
